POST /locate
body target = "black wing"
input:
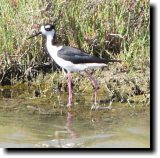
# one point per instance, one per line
(76, 56)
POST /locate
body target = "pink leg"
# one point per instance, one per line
(95, 85)
(70, 89)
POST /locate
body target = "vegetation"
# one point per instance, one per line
(109, 29)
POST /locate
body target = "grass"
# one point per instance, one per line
(79, 23)
(109, 29)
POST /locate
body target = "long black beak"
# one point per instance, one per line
(39, 33)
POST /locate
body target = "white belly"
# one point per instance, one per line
(69, 66)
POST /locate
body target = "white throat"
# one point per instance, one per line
(52, 49)
(50, 38)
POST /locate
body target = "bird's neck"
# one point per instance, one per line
(50, 40)
(52, 47)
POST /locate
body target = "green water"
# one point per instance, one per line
(120, 127)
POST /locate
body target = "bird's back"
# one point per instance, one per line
(77, 56)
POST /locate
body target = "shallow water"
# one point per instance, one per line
(119, 127)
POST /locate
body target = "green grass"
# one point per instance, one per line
(115, 29)
(78, 24)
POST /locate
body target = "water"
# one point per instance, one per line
(26, 125)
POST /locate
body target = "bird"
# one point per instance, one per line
(71, 59)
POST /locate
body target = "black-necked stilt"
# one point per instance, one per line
(71, 59)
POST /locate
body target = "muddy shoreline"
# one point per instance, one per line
(117, 82)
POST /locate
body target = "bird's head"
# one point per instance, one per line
(47, 30)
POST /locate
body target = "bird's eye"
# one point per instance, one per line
(48, 28)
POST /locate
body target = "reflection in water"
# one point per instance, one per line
(70, 131)
(116, 128)
(69, 127)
